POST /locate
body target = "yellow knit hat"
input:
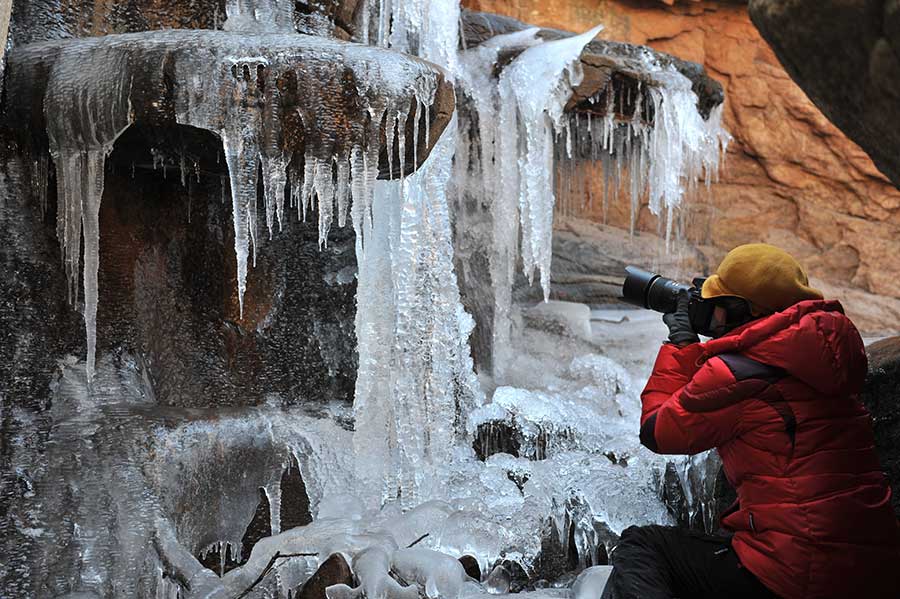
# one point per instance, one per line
(766, 276)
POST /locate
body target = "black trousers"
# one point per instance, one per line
(664, 562)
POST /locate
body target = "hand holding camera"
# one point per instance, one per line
(681, 332)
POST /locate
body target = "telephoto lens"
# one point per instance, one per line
(651, 291)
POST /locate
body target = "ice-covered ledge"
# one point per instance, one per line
(315, 94)
(602, 61)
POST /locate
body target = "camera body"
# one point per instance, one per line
(651, 291)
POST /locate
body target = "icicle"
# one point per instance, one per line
(273, 494)
(80, 189)
(417, 114)
(274, 183)
(358, 191)
(324, 186)
(243, 171)
(402, 115)
(390, 127)
(40, 175)
(342, 192)
(541, 80)
(310, 167)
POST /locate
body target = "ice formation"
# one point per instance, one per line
(534, 91)
(90, 101)
(416, 379)
(659, 154)
(536, 160)
(413, 477)
(260, 16)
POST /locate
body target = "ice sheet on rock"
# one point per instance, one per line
(440, 575)
(372, 567)
(260, 16)
(602, 498)
(591, 582)
(595, 409)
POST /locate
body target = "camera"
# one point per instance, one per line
(651, 291)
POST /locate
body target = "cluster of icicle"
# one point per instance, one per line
(526, 138)
(519, 119)
(416, 382)
(87, 113)
(661, 162)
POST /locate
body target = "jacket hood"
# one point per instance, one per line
(812, 340)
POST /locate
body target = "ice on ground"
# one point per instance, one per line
(591, 582)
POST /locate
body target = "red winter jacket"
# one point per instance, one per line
(779, 399)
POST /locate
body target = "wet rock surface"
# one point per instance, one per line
(334, 570)
(882, 398)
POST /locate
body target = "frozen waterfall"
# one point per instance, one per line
(534, 462)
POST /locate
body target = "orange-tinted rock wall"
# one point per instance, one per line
(791, 178)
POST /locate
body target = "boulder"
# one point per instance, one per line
(334, 570)
(846, 57)
(881, 396)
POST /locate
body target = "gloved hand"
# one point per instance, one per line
(679, 322)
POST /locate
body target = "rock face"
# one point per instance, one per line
(791, 177)
(858, 87)
(882, 398)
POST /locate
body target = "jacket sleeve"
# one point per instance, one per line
(689, 406)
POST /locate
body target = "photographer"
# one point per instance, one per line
(776, 391)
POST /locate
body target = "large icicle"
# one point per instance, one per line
(84, 118)
(540, 82)
(533, 91)
(416, 382)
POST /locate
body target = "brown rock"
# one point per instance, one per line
(334, 570)
(470, 565)
(858, 87)
(790, 177)
(882, 398)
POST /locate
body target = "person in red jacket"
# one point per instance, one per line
(776, 392)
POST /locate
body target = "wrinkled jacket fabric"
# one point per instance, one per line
(779, 398)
